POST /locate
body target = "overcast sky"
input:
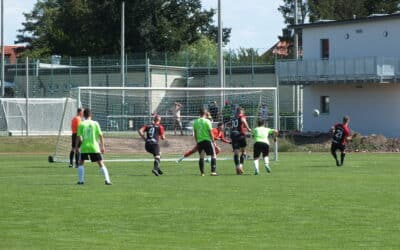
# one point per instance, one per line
(254, 23)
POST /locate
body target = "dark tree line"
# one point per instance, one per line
(93, 27)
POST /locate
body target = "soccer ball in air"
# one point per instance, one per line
(315, 112)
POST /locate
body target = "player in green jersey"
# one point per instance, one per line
(261, 144)
(91, 139)
(202, 128)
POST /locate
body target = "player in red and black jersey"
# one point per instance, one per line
(340, 135)
(239, 127)
(151, 134)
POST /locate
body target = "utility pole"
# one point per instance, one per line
(2, 50)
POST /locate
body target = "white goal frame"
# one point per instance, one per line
(91, 91)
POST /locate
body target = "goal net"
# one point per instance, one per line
(35, 116)
(122, 111)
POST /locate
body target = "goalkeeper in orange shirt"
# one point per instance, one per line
(218, 134)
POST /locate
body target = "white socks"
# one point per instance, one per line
(256, 165)
(81, 173)
(105, 173)
(266, 161)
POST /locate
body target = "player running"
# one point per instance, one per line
(340, 135)
(153, 132)
(261, 144)
(238, 136)
(218, 135)
(91, 141)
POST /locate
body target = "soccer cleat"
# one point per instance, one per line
(70, 165)
(107, 183)
(256, 172)
(180, 159)
(202, 174)
(80, 183)
(337, 163)
(214, 174)
(160, 172)
(155, 172)
(267, 168)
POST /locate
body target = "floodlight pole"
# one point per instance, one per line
(123, 55)
(221, 70)
(2, 50)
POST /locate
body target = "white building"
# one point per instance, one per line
(349, 67)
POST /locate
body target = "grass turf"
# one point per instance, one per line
(306, 203)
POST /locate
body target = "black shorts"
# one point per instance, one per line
(74, 138)
(338, 146)
(206, 146)
(94, 157)
(260, 148)
(152, 148)
(238, 140)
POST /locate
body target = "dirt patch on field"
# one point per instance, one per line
(297, 141)
(172, 145)
(359, 143)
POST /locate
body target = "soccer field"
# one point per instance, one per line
(306, 203)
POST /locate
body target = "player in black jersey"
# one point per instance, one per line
(239, 127)
(151, 134)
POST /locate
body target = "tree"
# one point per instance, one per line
(344, 9)
(92, 27)
(288, 10)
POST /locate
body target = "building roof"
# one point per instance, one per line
(370, 18)
(10, 49)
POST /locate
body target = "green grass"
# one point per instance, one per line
(306, 203)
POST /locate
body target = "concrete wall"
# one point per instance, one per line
(358, 39)
(373, 109)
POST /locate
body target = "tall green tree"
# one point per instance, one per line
(344, 9)
(92, 27)
(288, 10)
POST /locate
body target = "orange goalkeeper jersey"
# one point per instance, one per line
(75, 123)
(219, 135)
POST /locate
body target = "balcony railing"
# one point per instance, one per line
(376, 69)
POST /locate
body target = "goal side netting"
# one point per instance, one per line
(35, 116)
(122, 111)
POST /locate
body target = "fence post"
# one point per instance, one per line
(27, 95)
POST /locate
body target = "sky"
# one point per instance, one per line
(254, 23)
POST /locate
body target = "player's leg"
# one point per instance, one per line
(81, 168)
(188, 153)
(256, 155)
(201, 162)
(72, 152)
(98, 158)
(211, 151)
(265, 153)
(157, 160)
(180, 126)
(342, 154)
(333, 152)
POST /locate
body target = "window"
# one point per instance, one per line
(324, 48)
(324, 105)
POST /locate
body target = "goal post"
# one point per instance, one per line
(121, 111)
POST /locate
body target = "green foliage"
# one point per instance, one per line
(89, 27)
(306, 203)
(288, 10)
(343, 9)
